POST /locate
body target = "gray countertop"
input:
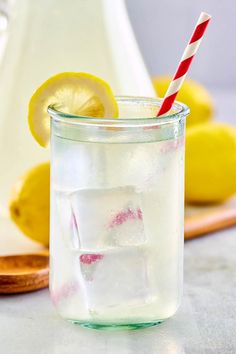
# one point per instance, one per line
(205, 323)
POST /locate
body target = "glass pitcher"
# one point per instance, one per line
(46, 37)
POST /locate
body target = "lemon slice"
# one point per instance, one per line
(75, 93)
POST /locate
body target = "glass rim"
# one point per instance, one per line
(182, 111)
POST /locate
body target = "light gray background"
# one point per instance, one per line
(162, 28)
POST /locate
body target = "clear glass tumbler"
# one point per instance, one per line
(117, 215)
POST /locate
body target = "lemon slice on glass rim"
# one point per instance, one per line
(75, 93)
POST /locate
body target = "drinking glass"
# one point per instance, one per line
(117, 215)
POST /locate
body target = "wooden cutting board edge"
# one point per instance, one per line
(201, 225)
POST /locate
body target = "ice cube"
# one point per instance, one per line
(67, 220)
(88, 264)
(115, 277)
(126, 227)
(108, 217)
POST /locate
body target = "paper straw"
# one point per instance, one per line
(184, 64)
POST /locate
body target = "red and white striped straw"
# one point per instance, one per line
(184, 64)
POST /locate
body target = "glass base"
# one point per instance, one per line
(116, 326)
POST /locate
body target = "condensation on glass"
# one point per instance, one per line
(117, 209)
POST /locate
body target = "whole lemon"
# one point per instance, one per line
(194, 95)
(210, 163)
(29, 206)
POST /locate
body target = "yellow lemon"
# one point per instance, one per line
(210, 163)
(75, 93)
(29, 206)
(194, 95)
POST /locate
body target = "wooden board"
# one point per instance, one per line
(200, 220)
